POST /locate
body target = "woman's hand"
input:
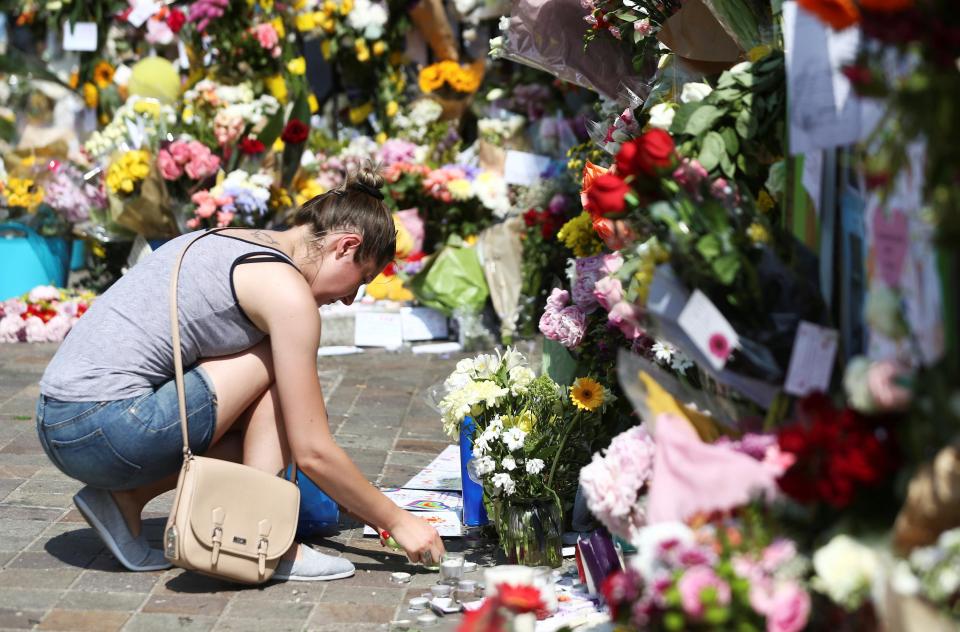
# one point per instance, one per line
(419, 540)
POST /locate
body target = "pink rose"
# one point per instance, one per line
(180, 151)
(206, 205)
(690, 174)
(778, 553)
(266, 35)
(626, 317)
(203, 165)
(790, 609)
(608, 291)
(193, 223)
(168, 166)
(572, 325)
(694, 582)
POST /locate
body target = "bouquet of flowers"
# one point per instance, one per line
(44, 314)
(222, 116)
(240, 199)
(127, 172)
(140, 123)
(184, 164)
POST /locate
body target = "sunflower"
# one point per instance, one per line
(103, 74)
(587, 394)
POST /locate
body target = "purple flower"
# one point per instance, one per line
(689, 175)
(558, 205)
(614, 31)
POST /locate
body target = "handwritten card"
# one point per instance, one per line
(524, 168)
(378, 329)
(447, 523)
(708, 329)
(81, 37)
(811, 363)
(423, 499)
(443, 473)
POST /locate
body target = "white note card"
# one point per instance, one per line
(121, 75)
(378, 329)
(524, 168)
(811, 363)
(142, 11)
(82, 37)
(708, 329)
(423, 323)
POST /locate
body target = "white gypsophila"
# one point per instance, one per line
(514, 438)
(484, 465)
(424, 112)
(486, 365)
(520, 379)
(534, 466)
(694, 91)
(509, 463)
(512, 358)
(661, 116)
(504, 482)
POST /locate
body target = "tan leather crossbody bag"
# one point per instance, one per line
(228, 520)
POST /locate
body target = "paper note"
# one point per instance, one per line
(890, 241)
(423, 323)
(524, 168)
(121, 76)
(447, 523)
(811, 363)
(142, 11)
(708, 329)
(443, 473)
(378, 329)
(423, 499)
(81, 37)
(437, 347)
(338, 350)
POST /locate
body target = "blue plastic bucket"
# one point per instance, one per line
(474, 513)
(28, 260)
(319, 514)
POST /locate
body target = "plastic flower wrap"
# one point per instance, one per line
(44, 314)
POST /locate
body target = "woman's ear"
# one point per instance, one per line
(347, 244)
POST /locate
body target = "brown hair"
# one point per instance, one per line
(355, 206)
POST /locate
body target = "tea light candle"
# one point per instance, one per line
(419, 603)
(400, 578)
(427, 619)
(469, 567)
(440, 590)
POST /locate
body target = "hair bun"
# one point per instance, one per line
(368, 175)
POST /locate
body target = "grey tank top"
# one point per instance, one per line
(121, 346)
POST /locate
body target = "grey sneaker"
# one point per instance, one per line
(100, 510)
(314, 566)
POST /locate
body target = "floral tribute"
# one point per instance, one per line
(44, 314)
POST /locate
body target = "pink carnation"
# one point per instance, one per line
(692, 584)
(266, 35)
(36, 330)
(180, 151)
(168, 166)
(57, 328)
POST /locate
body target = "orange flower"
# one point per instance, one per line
(590, 173)
(519, 599)
(839, 14)
(431, 78)
(103, 74)
(887, 6)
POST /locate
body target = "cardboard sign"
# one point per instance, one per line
(811, 363)
(82, 37)
(524, 168)
(708, 329)
(378, 329)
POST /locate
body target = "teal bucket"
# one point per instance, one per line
(28, 260)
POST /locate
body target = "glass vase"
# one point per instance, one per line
(530, 530)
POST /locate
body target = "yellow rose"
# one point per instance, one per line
(277, 87)
(305, 22)
(379, 48)
(346, 7)
(392, 109)
(90, 95)
(297, 66)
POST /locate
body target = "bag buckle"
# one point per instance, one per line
(218, 516)
(262, 544)
(170, 543)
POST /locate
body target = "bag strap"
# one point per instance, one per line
(178, 353)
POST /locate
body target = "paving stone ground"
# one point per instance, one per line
(55, 574)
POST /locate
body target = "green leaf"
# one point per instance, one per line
(271, 131)
(744, 79)
(702, 119)
(742, 163)
(777, 179)
(744, 124)
(711, 151)
(709, 246)
(681, 116)
(301, 108)
(726, 268)
(638, 37)
(726, 94)
(730, 140)
(726, 165)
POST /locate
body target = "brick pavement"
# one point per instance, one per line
(56, 575)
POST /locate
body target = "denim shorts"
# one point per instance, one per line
(127, 443)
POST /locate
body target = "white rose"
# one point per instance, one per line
(845, 570)
(509, 463)
(693, 92)
(534, 466)
(661, 116)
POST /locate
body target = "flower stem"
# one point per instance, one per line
(563, 442)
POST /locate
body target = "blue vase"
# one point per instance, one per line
(474, 512)
(27, 260)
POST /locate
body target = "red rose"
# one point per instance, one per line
(175, 20)
(606, 196)
(295, 131)
(251, 146)
(531, 218)
(646, 155)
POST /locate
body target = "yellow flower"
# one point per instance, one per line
(278, 145)
(103, 74)
(312, 102)
(578, 235)
(765, 202)
(277, 87)
(90, 95)
(524, 421)
(381, 138)
(379, 48)
(470, 240)
(363, 53)
(266, 5)
(392, 109)
(346, 7)
(329, 24)
(309, 189)
(74, 80)
(25, 193)
(278, 26)
(325, 49)
(431, 78)
(147, 107)
(127, 171)
(280, 198)
(586, 394)
(329, 7)
(460, 189)
(187, 114)
(757, 233)
(305, 22)
(297, 66)
(360, 113)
